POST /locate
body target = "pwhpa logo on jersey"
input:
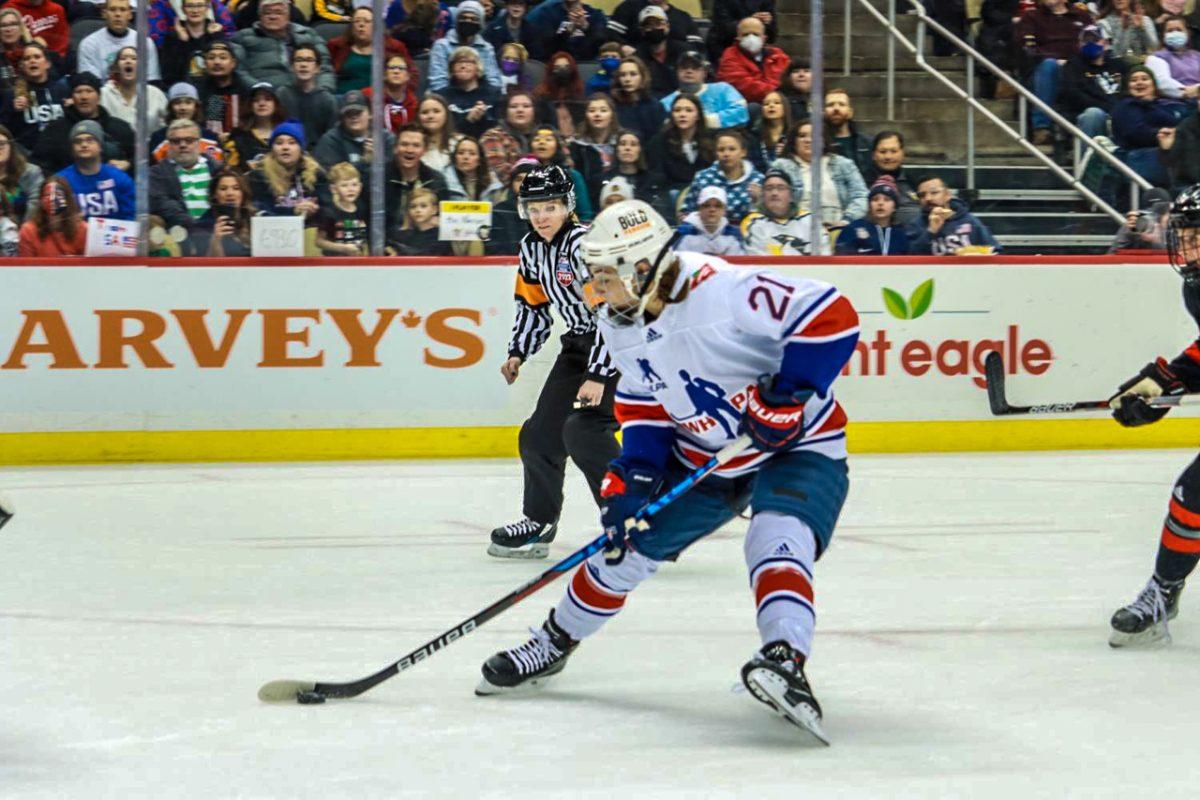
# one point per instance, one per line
(275, 337)
(874, 357)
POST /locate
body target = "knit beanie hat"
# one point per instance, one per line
(88, 127)
(886, 185)
(291, 127)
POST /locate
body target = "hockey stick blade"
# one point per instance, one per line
(309, 692)
(993, 372)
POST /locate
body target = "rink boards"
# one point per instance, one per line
(279, 360)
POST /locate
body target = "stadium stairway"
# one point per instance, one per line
(1027, 207)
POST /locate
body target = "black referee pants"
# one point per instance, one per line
(557, 431)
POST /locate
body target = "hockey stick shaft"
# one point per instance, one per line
(993, 367)
(289, 690)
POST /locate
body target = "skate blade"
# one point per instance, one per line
(1154, 636)
(769, 688)
(488, 689)
(537, 550)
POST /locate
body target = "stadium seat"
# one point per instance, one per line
(331, 30)
(81, 28)
(536, 71)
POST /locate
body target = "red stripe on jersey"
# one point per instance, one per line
(638, 412)
(836, 421)
(1178, 543)
(838, 316)
(782, 579)
(699, 457)
(1188, 518)
(593, 594)
(1193, 352)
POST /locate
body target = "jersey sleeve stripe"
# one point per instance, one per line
(531, 292)
(836, 320)
(812, 310)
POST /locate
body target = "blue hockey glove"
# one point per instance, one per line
(623, 492)
(1129, 403)
(773, 419)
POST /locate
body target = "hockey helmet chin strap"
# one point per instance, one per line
(648, 284)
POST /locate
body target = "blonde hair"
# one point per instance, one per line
(418, 194)
(280, 179)
(343, 171)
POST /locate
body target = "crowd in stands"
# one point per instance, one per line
(263, 107)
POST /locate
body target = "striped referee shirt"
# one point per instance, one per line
(552, 274)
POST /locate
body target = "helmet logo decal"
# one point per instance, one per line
(633, 222)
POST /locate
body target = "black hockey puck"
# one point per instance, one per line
(310, 698)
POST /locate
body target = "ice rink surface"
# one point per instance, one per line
(961, 645)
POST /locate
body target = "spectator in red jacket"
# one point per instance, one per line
(1047, 36)
(399, 94)
(351, 52)
(750, 65)
(46, 20)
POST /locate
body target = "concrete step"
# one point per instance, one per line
(998, 181)
(1047, 223)
(933, 111)
(919, 84)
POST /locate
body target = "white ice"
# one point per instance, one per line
(961, 646)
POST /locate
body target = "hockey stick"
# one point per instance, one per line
(308, 692)
(993, 371)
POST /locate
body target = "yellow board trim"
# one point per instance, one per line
(501, 442)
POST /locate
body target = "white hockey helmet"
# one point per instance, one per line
(623, 236)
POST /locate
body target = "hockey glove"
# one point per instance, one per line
(623, 493)
(774, 419)
(1129, 403)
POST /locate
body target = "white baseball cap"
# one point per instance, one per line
(651, 11)
(712, 193)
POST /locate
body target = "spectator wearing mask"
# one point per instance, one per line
(118, 95)
(724, 107)
(1180, 153)
(795, 86)
(707, 229)
(399, 95)
(879, 233)
(471, 102)
(682, 148)
(350, 142)
(224, 229)
(1129, 30)
(947, 226)
(750, 65)
(54, 147)
(569, 26)
(1048, 35)
(288, 181)
(609, 58)
(510, 25)
(350, 54)
(56, 227)
(468, 24)
(778, 227)
(560, 95)
(164, 19)
(659, 51)
(887, 161)
(305, 98)
(733, 173)
(20, 181)
(1137, 119)
(769, 134)
(843, 195)
(504, 144)
(180, 183)
(47, 21)
(343, 226)
(636, 109)
(28, 109)
(221, 90)
(98, 50)
(1091, 83)
(1145, 228)
(1176, 67)
(406, 173)
(513, 75)
(624, 24)
(727, 14)
(182, 46)
(270, 45)
(100, 189)
(548, 147)
(847, 139)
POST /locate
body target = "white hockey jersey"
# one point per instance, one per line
(689, 370)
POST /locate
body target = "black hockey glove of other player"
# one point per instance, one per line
(1129, 403)
(624, 491)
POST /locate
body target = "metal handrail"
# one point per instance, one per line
(918, 52)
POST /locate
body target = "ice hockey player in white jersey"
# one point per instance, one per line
(707, 351)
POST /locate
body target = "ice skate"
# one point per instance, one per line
(775, 676)
(6, 512)
(540, 658)
(1144, 621)
(523, 539)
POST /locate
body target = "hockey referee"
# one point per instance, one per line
(574, 413)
